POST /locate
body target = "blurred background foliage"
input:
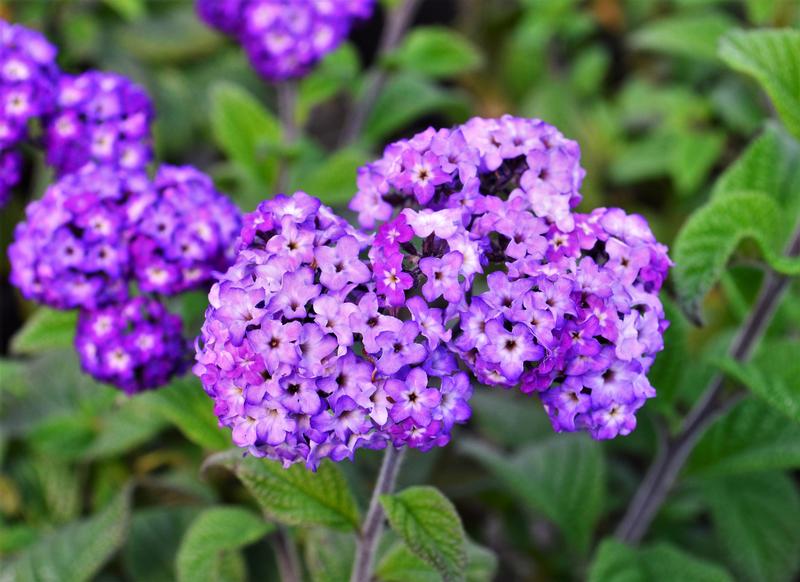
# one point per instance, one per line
(638, 83)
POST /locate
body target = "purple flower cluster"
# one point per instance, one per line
(308, 353)
(183, 232)
(28, 77)
(284, 39)
(533, 294)
(72, 250)
(102, 118)
(135, 345)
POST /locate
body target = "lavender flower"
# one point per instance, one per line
(570, 308)
(100, 117)
(185, 231)
(28, 76)
(10, 173)
(284, 39)
(72, 250)
(306, 359)
(136, 345)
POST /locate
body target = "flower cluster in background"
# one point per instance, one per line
(284, 39)
(304, 356)
(28, 78)
(104, 225)
(563, 304)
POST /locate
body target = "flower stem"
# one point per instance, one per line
(663, 473)
(287, 112)
(372, 528)
(286, 554)
(395, 25)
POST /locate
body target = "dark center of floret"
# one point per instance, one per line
(511, 345)
(437, 275)
(274, 343)
(609, 375)
(293, 389)
(398, 347)
(372, 321)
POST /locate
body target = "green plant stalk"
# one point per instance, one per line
(396, 23)
(286, 556)
(372, 528)
(664, 472)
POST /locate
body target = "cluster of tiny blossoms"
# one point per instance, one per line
(284, 39)
(560, 303)
(135, 345)
(102, 118)
(28, 77)
(306, 352)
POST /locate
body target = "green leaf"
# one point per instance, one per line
(334, 179)
(693, 156)
(431, 528)
(756, 519)
(693, 36)
(295, 495)
(153, 541)
(711, 235)
(770, 57)
(616, 562)
(406, 98)
(217, 532)
(185, 404)
(176, 36)
(436, 52)
(77, 551)
(772, 376)
(400, 565)
(751, 437)
(45, 329)
(561, 477)
(337, 72)
(128, 9)
(123, 429)
(246, 132)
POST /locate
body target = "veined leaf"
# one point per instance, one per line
(755, 518)
(295, 495)
(400, 565)
(770, 57)
(75, 552)
(430, 527)
(562, 477)
(751, 437)
(616, 562)
(436, 52)
(204, 554)
(694, 36)
(711, 235)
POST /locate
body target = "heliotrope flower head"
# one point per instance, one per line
(284, 39)
(10, 173)
(136, 345)
(306, 358)
(556, 302)
(185, 230)
(102, 118)
(28, 76)
(71, 251)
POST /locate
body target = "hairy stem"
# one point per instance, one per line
(287, 112)
(395, 25)
(663, 473)
(372, 528)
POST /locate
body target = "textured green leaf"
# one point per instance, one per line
(430, 527)
(329, 554)
(773, 376)
(616, 562)
(153, 541)
(334, 180)
(561, 477)
(770, 57)
(693, 156)
(711, 235)
(295, 495)
(694, 36)
(756, 519)
(45, 329)
(215, 533)
(437, 52)
(185, 404)
(245, 131)
(749, 438)
(400, 565)
(406, 98)
(75, 552)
